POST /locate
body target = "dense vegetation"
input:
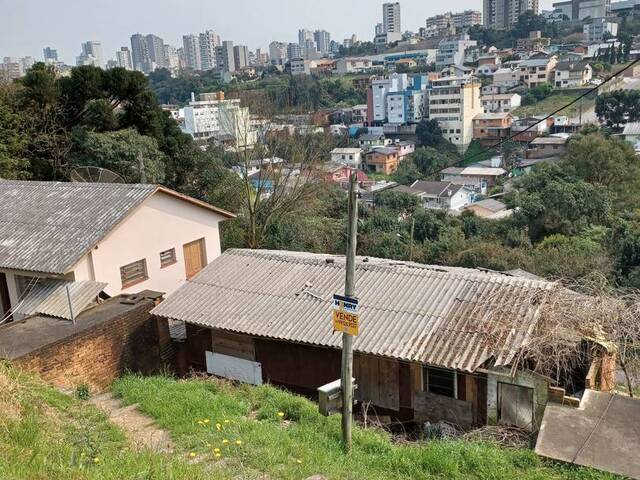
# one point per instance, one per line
(575, 218)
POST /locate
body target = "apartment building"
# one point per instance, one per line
(491, 128)
(500, 102)
(503, 14)
(454, 102)
(452, 51)
(225, 58)
(208, 42)
(278, 53)
(191, 51)
(91, 54)
(398, 99)
(123, 57)
(581, 9)
(211, 116)
(598, 29)
(572, 74)
(241, 56)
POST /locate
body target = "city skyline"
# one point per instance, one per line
(29, 27)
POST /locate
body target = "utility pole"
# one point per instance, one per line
(349, 292)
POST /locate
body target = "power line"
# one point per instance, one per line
(511, 137)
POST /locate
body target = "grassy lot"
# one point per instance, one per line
(222, 431)
(552, 103)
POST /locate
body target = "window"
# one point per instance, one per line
(168, 257)
(133, 273)
(440, 381)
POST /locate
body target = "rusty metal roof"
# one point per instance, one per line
(451, 317)
(48, 296)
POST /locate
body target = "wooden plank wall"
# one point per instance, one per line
(378, 381)
(301, 366)
(235, 345)
(198, 342)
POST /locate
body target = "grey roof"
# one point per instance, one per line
(48, 296)
(48, 226)
(450, 317)
(549, 141)
(434, 188)
(631, 128)
(370, 137)
(384, 150)
(490, 204)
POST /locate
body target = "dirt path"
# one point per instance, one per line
(140, 429)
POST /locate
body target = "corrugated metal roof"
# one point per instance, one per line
(451, 317)
(631, 128)
(48, 296)
(49, 226)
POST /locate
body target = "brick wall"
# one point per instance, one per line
(133, 340)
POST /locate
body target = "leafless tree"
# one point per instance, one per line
(279, 172)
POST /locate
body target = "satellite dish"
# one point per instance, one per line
(95, 175)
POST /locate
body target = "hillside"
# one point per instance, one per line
(225, 431)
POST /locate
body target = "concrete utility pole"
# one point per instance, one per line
(349, 292)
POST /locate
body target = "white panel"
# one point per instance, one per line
(234, 368)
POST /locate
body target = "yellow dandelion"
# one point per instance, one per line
(298, 461)
(192, 454)
(225, 441)
(218, 426)
(96, 460)
(226, 421)
(216, 450)
(217, 455)
(281, 414)
(206, 420)
(200, 422)
(238, 442)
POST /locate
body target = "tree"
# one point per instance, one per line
(429, 133)
(608, 162)
(13, 141)
(135, 157)
(429, 160)
(618, 107)
(553, 200)
(401, 203)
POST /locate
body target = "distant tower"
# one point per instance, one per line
(391, 18)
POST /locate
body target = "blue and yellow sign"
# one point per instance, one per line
(345, 315)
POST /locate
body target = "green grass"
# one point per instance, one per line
(552, 103)
(303, 443)
(45, 434)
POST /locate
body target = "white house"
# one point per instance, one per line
(347, 156)
(477, 178)
(440, 195)
(572, 74)
(500, 102)
(116, 238)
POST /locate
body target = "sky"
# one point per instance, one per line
(30, 25)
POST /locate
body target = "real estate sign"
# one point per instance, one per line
(345, 315)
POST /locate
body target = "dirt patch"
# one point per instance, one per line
(140, 429)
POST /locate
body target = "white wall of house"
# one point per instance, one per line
(160, 223)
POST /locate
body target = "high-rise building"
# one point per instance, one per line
(454, 102)
(241, 56)
(503, 14)
(50, 54)
(209, 40)
(155, 47)
(295, 51)
(304, 35)
(323, 41)
(582, 9)
(391, 18)
(191, 48)
(139, 52)
(225, 58)
(123, 57)
(171, 58)
(91, 54)
(444, 21)
(278, 52)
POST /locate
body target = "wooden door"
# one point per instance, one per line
(195, 257)
(515, 404)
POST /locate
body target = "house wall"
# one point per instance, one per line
(97, 356)
(539, 385)
(160, 223)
